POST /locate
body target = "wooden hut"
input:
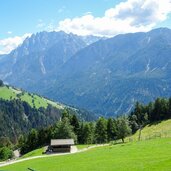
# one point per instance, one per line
(61, 145)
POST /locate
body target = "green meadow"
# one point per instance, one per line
(158, 130)
(8, 93)
(147, 155)
(37, 152)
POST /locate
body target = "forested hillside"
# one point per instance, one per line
(20, 111)
(17, 117)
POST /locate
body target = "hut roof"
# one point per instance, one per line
(55, 142)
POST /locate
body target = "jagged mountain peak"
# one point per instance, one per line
(107, 76)
(41, 54)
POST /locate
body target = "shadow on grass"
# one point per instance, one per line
(117, 143)
(155, 123)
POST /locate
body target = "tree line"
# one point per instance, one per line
(102, 130)
(155, 111)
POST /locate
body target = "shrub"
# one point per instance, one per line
(6, 153)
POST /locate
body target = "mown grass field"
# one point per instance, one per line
(147, 155)
(82, 146)
(8, 93)
(39, 152)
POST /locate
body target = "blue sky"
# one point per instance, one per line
(20, 18)
(23, 16)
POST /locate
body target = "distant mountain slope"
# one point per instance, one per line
(106, 77)
(40, 56)
(111, 75)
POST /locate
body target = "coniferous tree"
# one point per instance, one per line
(31, 142)
(81, 134)
(75, 123)
(64, 130)
(1, 83)
(92, 128)
(157, 111)
(101, 130)
(32, 139)
(169, 109)
(87, 139)
(44, 136)
(111, 129)
(65, 114)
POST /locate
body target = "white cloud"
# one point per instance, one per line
(8, 44)
(129, 16)
(9, 32)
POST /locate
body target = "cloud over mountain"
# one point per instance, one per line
(8, 44)
(129, 16)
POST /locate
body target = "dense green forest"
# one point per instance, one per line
(18, 117)
(20, 111)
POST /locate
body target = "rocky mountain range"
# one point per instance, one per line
(106, 76)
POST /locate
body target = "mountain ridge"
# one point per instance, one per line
(143, 84)
(107, 76)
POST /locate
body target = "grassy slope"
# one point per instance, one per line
(37, 152)
(144, 155)
(6, 93)
(82, 146)
(154, 154)
(162, 129)
(149, 132)
(11, 93)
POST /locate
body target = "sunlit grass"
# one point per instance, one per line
(33, 100)
(161, 129)
(144, 155)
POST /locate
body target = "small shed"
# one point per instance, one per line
(61, 145)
